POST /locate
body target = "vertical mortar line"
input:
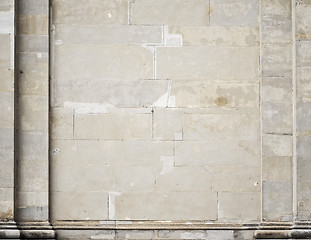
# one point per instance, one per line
(294, 108)
(260, 106)
(49, 109)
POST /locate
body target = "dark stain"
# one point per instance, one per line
(221, 101)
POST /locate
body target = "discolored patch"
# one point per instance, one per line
(221, 101)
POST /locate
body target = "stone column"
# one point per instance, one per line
(277, 110)
(32, 191)
(7, 106)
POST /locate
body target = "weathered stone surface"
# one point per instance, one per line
(62, 123)
(220, 127)
(277, 169)
(304, 83)
(207, 62)
(167, 124)
(176, 12)
(33, 43)
(108, 34)
(5, 49)
(102, 62)
(277, 60)
(113, 126)
(206, 153)
(277, 145)
(303, 116)
(303, 53)
(231, 206)
(303, 19)
(163, 206)
(33, 7)
(234, 13)
(217, 35)
(276, 90)
(33, 24)
(68, 205)
(94, 12)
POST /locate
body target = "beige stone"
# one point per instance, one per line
(235, 179)
(90, 12)
(184, 179)
(33, 113)
(33, 43)
(108, 34)
(6, 5)
(34, 145)
(277, 60)
(217, 35)
(68, 205)
(61, 123)
(234, 12)
(276, 8)
(7, 110)
(208, 62)
(207, 153)
(6, 83)
(167, 124)
(277, 118)
(303, 19)
(163, 206)
(277, 90)
(113, 126)
(33, 7)
(304, 83)
(220, 126)
(176, 12)
(232, 206)
(33, 81)
(303, 53)
(5, 49)
(276, 145)
(103, 62)
(277, 169)
(33, 24)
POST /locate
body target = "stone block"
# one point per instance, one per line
(85, 234)
(108, 34)
(304, 83)
(209, 153)
(108, 93)
(33, 80)
(34, 145)
(235, 179)
(32, 213)
(234, 13)
(208, 63)
(103, 62)
(33, 24)
(303, 116)
(277, 169)
(183, 179)
(182, 234)
(135, 234)
(276, 30)
(30, 43)
(303, 147)
(5, 49)
(274, 210)
(33, 7)
(167, 124)
(79, 205)
(7, 109)
(36, 198)
(277, 60)
(7, 80)
(277, 145)
(187, 93)
(177, 13)
(61, 123)
(231, 206)
(7, 173)
(33, 113)
(277, 90)
(277, 118)
(276, 8)
(303, 53)
(90, 12)
(64, 152)
(7, 20)
(7, 194)
(38, 170)
(220, 127)
(163, 206)
(217, 35)
(113, 126)
(303, 19)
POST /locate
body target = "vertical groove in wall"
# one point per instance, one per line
(49, 108)
(294, 109)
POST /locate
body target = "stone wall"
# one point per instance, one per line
(155, 119)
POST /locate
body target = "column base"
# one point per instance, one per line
(36, 230)
(9, 230)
